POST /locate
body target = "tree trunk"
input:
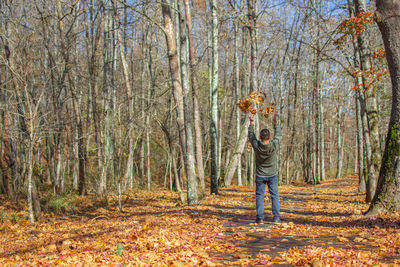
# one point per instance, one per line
(113, 98)
(387, 197)
(339, 145)
(238, 95)
(251, 5)
(176, 83)
(129, 164)
(236, 155)
(30, 172)
(147, 114)
(361, 155)
(316, 110)
(360, 147)
(214, 99)
(370, 170)
(371, 108)
(6, 163)
(196, 111)
(321, 137)
(107, 101)
(172, 157)
(192, 190)
(143, 106)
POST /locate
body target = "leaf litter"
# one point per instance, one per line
(321, 225)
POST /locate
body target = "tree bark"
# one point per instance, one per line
(174, 69)
(129, 164)
(192, 190)
(362, 174)
(387, 197)
(214, 99)
(238, 95)
(6, 163)
(107, 100)
(30, 172)
(251, 5)
(321, 136)
(360, 147)
(340, 144)
(371, 108)
(196, 108)
(172, 157)
(236, 155)
(177, 87)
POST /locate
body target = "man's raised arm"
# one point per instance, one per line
(251, 134)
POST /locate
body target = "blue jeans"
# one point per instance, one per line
(272, 183)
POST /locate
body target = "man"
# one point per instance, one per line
(265, 151)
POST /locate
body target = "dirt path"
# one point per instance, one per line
(316, 221)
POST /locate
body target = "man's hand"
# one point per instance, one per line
(251, 117)
(274, 118)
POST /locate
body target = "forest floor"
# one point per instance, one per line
(321, 225)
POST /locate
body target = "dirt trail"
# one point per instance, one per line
(316, 220)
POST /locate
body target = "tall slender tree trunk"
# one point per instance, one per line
(371, 107)
(238, 95)
(251, 5)
(321, 136)
(92, 34)
(107, 100)
(122, 49)
(362, 172)
(129, 164)
(370, 169)
(174, 69)
(177, 91)
(253, 85)
(196, 108)
(316, 110)
(143, 105)
(30, 182)
(214, 99)
(147, 114)
(148, 152)
(339, 144)
(236, 155)
(360, 146)
(192, 190)
(113, 99)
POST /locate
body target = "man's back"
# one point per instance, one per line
(266, 154)
(266, 168)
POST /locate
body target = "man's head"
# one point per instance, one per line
(265, 135)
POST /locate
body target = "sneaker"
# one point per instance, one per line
(277, 221)
(258, 221)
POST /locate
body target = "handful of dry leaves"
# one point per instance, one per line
(254, 99)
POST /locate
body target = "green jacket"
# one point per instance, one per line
(266, 155)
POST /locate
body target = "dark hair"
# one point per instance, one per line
(264, 134)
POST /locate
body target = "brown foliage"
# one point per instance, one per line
(254, 99)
